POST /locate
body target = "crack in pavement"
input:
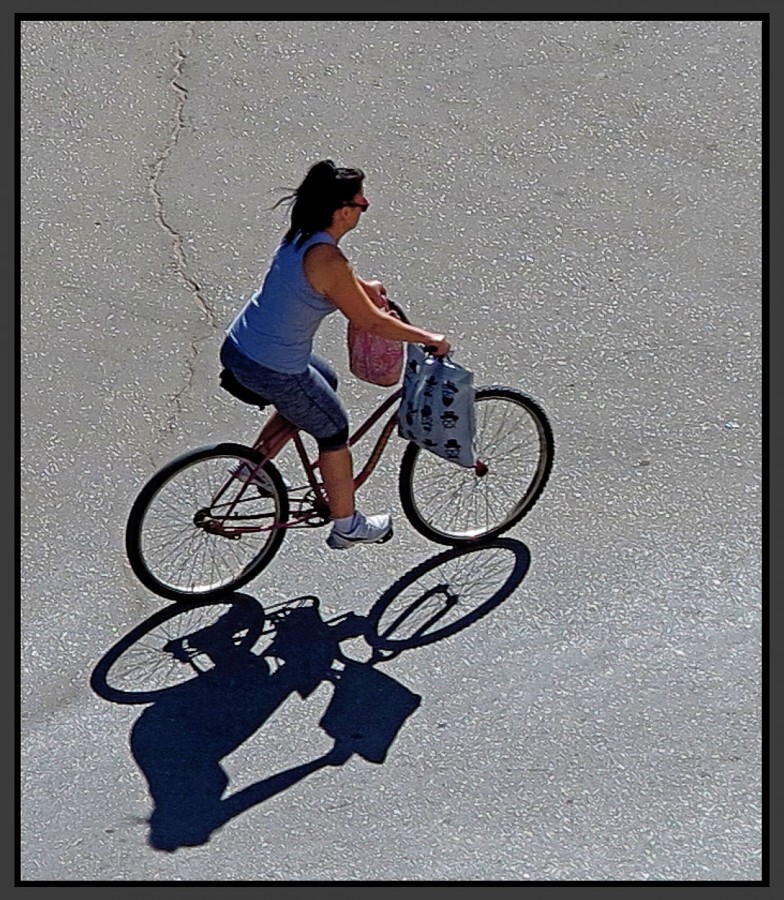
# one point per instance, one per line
(181, 263)
(157, 168)
(175, 401)
(174, 404)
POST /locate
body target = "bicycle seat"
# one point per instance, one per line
(230, 384)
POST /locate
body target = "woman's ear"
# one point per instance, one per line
(341, 215)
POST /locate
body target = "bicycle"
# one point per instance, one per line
(200, 528)
(210, 638)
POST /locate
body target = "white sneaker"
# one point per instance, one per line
(367, 530)
(247, 473)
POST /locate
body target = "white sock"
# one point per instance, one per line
(346, 523)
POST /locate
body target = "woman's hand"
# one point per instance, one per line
(440, 346)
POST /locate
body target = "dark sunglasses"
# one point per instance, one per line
(362, 204)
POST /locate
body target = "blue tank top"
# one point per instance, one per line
(276, 326)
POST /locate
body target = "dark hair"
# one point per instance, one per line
(325, 188)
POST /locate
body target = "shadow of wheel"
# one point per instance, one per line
(447, 593)
(177, 644)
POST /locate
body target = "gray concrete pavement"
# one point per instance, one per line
(577, 205)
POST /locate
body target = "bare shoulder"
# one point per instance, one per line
(323, 263)
(324, 255)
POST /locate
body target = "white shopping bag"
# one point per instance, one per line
(437, 408)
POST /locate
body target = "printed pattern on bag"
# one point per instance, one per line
(437, 408)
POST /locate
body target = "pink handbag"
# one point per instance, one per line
(372, 358)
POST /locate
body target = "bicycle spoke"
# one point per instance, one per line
(175, 646)
(175, 540)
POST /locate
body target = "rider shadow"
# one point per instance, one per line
(180, 740)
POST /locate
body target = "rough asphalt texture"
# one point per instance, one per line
(577, 205)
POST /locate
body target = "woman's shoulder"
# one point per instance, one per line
(323, 265)
(322, 253)
(318, 239)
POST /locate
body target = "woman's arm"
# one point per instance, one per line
(330, 274)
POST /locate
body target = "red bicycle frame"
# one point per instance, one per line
(275, 442)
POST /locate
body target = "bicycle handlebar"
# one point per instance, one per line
(399, 310)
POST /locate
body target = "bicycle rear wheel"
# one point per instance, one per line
(196, 531)
(176, 645)
(450, 504)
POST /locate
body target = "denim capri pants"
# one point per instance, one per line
(307, 399)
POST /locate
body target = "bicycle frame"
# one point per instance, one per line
(275, 443)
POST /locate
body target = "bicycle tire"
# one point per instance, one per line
(446, 594)
(176, 556)
(451, 504)
(154, 658)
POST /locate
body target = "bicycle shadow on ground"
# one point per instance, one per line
(232, 673)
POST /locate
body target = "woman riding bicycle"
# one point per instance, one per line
(269, 345)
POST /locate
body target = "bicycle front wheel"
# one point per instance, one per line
(450, 504)
(198, 531)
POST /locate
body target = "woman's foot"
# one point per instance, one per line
(360, 529)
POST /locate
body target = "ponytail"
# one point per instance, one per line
(325, 188)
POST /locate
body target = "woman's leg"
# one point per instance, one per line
(338, 476)
(269, 442)
(309, 401)
(277, 425)
(251, 376)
